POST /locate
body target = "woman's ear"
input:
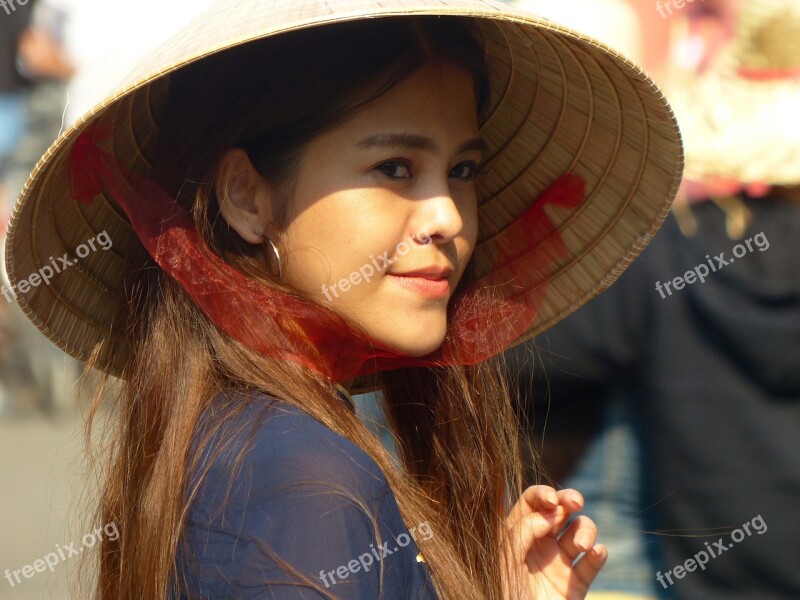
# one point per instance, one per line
(245, 198)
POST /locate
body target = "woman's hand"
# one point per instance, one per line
(539, 561)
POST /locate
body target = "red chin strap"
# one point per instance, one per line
(483, 322)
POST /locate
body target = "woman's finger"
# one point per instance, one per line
(578, 537)
(571, 499)
(590, 564)
(536, 497)
(532, 527)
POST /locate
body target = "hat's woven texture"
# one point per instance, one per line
(560, 103)
(740, 118)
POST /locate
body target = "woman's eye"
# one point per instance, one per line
(392, 167)
(467, 170)
(400, 170)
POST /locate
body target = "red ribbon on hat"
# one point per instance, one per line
(757, 74)
(484, 320)
(526, 252)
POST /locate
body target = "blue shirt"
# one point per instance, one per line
(292, 500)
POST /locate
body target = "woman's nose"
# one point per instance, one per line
(440, 216)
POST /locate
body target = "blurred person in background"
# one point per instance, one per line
(12, 90)
(32, 372)
(44, 61)
(706, 368)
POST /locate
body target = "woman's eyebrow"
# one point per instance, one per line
(416, 142)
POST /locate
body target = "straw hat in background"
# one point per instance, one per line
(739, 118)
(560, 104)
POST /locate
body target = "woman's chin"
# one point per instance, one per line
(410, 335)
(416, 347)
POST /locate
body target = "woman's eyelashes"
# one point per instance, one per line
(391, 166)
(476, 169)
(468, 170)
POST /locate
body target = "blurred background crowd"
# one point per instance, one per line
(677, 416)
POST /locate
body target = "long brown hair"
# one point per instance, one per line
(454, 427)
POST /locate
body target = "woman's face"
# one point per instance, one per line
(383, 218)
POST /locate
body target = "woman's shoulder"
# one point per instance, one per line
(300, 499)
(283, 445)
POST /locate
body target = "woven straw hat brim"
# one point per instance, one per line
(560, 102)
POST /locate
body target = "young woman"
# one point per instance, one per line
(321, 202)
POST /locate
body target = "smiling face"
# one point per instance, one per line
(383, 217)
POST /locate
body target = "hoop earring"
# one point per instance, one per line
(274, 250)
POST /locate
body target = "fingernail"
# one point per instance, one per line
(582, 542)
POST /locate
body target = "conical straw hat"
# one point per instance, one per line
(740, 119)
(560, 103)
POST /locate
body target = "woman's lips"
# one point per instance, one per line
(430, 288)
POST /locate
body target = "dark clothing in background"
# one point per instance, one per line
(11, 27)
(292, 496)
(714, 370)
